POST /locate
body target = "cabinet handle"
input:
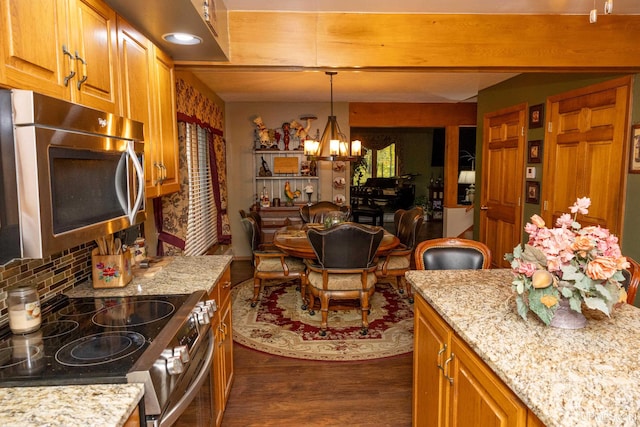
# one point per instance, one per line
(159, 180)
(226, 285)
(442, 350)
(84, 70)
(71, 62)
(446, 363)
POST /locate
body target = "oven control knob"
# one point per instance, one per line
(202, 317)
(174, 365)
(182, 351)
(211, 303)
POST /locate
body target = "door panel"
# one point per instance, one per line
(585, 154)
(502, 166)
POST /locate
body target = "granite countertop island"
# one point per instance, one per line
(582, 377)
(105, 405)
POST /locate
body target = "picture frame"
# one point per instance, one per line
(534, 151)
(533, 192)
(634, 158)
(536, 116)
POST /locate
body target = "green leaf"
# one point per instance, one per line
(603, 291)
(566, 292)
(618, 276)
(575, 303)
(522, 307)
(542, 311)
(597, 304)
(534, 255)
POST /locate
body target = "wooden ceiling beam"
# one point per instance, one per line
(434, 42)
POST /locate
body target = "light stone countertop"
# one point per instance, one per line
(169, 275)
(101, 405)
(110, 404)
(583, 377)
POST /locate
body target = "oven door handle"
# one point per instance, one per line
(172, 415)
(140, 175)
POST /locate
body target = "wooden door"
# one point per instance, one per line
(479, 397)
(93, 26)
(32, 36)
(502, 186)
(431, 349)
(585, 153)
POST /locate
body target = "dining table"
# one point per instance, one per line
(292, 239)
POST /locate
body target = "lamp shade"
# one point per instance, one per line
(467, 177)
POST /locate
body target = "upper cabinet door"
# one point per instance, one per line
(61, 48)
(33, 36)
(93, 27)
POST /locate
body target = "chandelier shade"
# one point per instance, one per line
(333, 145)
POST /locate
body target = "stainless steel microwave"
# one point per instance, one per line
(79, 172)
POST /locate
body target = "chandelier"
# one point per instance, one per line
(332, 140)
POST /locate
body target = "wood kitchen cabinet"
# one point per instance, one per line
(61, 48)
(148, 96)
(452, 386)
(223, 356)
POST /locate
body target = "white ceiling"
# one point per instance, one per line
(240, 85)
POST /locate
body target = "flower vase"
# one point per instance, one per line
(566, 318)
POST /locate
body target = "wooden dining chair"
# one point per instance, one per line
(345, 268)
(396, 263)
(269, 262)
(450, 253)
(632, 280)
(315, 213)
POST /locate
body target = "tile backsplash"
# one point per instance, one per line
(53, 275)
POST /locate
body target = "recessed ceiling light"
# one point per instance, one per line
(182, 38)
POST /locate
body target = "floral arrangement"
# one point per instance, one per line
(582, 265)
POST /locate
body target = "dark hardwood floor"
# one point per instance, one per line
(278, 391)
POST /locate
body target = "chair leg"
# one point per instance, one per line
(364, 308)
(324, 310)
(407, 288)
(257, 285)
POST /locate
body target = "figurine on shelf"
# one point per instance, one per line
(290, 195)
(276, 137)
(264, 169)
(302, 132)
(263, 133)
(308, 189)
(273, 144)
(286, 130)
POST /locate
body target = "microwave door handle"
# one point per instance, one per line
(140, 173)
(121, 169)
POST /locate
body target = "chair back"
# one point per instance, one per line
(252, 231)
(347, 245)
(631, 280)
(452, 254)
(408, 223)
(315, 213)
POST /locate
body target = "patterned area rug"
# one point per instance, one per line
(277, 325)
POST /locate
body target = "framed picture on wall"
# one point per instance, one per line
(536, 116)
(534, 150)
(533, 192)
(634, 163)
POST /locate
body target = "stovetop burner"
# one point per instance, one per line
(105, 347)
(135, 313)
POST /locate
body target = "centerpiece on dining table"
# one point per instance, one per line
(559, 269)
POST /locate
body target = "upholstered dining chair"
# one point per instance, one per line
(315, 213)
(396, 263)
(345, 268)
(632, 280)
(269, 262)
(452, 254)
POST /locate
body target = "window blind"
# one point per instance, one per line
(202, 215)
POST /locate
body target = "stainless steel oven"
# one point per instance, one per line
(164, 342)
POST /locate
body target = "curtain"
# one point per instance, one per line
(192, 219)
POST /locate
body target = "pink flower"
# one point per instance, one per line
(526, 268)
(564, 221)
(581, 205)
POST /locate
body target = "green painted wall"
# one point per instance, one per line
(534, 89)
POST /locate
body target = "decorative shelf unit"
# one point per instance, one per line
(284, 166)
(436, 199)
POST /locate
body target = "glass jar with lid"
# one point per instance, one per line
(24, 308)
